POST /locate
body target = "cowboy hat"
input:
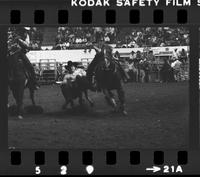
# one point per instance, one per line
(27, 28)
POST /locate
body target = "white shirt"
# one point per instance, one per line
(175, 55)
(176, 65)
(72, 77)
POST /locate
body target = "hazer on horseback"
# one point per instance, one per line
(21, 73)
(107, 74)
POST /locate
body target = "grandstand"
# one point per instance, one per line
(76, 37)
(69, 43)
(120, 37)
(49, 35)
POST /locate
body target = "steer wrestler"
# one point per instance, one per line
(72, 74)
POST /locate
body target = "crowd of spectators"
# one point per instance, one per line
(36, 38)
(125, 37)
(76, 37)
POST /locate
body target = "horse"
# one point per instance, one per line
(18, 81)
(74, 90)
(108, 76)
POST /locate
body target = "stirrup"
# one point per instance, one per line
(36, 86)
(20, 117)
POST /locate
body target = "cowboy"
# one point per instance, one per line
(175, 55)
(72, 74)
(177, 67)
(183, 56)
(18, 42)
(106, 51)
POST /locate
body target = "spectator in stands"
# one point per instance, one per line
(107, 39)
(37, 71)
(132, 56)
(175, 55)
(166, 72)
(131, 70)
(152, 66)
(126, 69)
(183, 56)
(128, 37)
(116, 56)
(146, 67)
(176, 65)
(59, 72)
(151, 57)
(138, 57)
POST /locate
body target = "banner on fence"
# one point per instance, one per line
(78, 55)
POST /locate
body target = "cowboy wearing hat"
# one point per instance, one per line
(72, 73)
(18, 41)
(104, 50)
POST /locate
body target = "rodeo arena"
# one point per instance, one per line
(98, 87)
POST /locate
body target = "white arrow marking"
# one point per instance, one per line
(154, 169)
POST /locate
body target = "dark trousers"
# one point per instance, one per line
(131, 74)
(146, 75)
(29, 68)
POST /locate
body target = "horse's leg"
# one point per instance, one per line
(80, 99)
(138, 76)
(21, 95)
(64, 92)
(110, 99)
(31, 91)
(8, 104)
(88, 99)
(113, 102)
(18, 93)
(64, 106)
(107, 98)
(142, 76)
(121, 96)
(71, 103)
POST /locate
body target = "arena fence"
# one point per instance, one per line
(50, 71)
(46, 71)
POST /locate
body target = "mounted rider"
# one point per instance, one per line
(105, 52)
(18, 46)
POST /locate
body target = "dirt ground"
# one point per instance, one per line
(158, 116)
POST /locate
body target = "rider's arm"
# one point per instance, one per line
(82, 72)
(97, 49)
(68, 77)
(116, 58)
(23, 44)
(65, 79)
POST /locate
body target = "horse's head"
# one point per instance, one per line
(106, 55)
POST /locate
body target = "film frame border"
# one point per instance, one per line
(146, 20)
